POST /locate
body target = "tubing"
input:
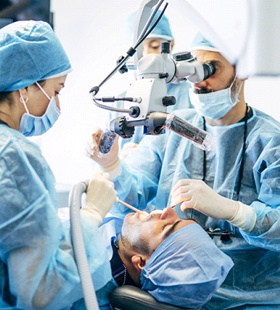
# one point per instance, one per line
(79, 247)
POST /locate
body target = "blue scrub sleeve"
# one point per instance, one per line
(266, 175)
(137, 184)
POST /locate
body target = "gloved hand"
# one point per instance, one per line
(107, 162)
(198, 195)
(101, 196)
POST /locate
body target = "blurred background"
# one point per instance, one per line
(94, 34)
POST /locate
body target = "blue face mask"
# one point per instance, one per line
(31, 125)
(216, 104)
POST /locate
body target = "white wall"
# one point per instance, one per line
(94, 34)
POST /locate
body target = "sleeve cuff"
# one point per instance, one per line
(114, 169)
(245, 218)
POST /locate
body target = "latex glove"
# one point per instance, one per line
(101, 196)
(198, 195)
(109, 161)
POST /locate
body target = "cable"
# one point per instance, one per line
(106, 107)
(148, 23)
(145, 32)
(94, 90)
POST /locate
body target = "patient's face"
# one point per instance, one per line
(151, 230)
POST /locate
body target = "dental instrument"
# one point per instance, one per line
(130, 206)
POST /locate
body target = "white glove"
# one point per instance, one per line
(100, 198)
(198, 195)
(107, 162)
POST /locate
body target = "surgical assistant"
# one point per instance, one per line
(233, 190)
(37, 265)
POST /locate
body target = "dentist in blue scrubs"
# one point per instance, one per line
(232, 190)
(37, 266)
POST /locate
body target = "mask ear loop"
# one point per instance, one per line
(236, 90)
(42, 89)
(21, 99)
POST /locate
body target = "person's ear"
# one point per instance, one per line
(23, 96)
(138, 261)
(23, 91)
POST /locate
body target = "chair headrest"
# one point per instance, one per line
(129, 297)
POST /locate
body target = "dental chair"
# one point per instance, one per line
(128, 297)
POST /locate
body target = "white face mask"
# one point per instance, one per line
(215, 104)
(31, 125)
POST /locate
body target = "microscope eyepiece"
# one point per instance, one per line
(209, 69)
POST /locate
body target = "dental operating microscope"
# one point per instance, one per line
(146, 99)
(149, 100)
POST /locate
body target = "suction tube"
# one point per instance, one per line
(79, 247)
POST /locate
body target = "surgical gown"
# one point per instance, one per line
(37, 267)
(148, 175)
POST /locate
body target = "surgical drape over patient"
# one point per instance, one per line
(30, 52)
(193, 274)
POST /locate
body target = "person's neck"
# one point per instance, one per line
(6, 119)
(10, 115)
(134, 274)
(232, 117)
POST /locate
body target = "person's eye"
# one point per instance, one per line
(164, 226)
(155, 47)
(57, 93)
(58, 90)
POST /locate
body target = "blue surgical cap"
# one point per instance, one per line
(161, 31)
(201, 43)
(29, 52)
(186, 268)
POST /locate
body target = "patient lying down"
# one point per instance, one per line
(173, 259)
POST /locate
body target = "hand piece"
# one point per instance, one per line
(198, 195)
(108, 161)
(101, 196)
